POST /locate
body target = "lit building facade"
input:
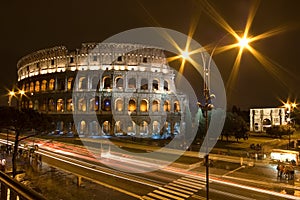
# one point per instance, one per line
(129, 87)
(262, 118)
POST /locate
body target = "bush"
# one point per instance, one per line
(279, 131)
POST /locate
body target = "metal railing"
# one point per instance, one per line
(11, 189)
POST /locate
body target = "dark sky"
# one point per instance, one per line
(27, 26)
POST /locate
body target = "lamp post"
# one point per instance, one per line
(290, 107)
(11, 94)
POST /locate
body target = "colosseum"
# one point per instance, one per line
(112, 89)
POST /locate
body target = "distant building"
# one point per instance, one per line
(129, 87)
(262, 118)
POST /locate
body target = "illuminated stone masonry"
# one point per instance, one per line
(262, 118)
(129, 87)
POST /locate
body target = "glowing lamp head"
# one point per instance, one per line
(185, 54)
(243, 42)
(12, 93)
(22, 92)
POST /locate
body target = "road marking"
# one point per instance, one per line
(180, 190)
(193, 180)
(230, 172)
(147, 198)
(183, 187)
(188, 183)
(157, 196)
(167, 195)
(174, 192)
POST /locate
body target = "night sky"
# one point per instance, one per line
(28, 26)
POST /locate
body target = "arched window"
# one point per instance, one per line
(155, 85)
(106, 105)
(60, 105)
(166, 86)
(82, 127)
(119, 105)
(69, 105)
(51, 84)
(144, 106)
(36, 105)
(70, 83)
(44, 85)
(119, 128)
(94, 104)
(132, 83)
(94, 128)
(82, 83)
(119, 82)
(144, 84)
(144, 128)
(132, 105)
(95, 83)
(37, 86)
(82, 105)
(107, 82)
(156, 127)
(155, 106)
(43, 106)
(31, 89)
(106, 127)
(167, 106)
(61, 84)
(27, 87)
(51, 105)
(176, 106)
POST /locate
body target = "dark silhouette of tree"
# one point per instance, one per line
(279, 131)
(22, 123)
(235, 126)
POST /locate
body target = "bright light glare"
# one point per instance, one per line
(22, 92)
(185, 54)
(12, 93)
(243, 42)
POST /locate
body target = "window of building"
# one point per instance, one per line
(82, 83)
(51, 105)
(95, 58)
(31, 89)
(95, 83)
(30, 105)
(106, 127)
(176, 106)
(155, 85)
(37, 86)
(70, 83)
(106, 105)
(132, 83)
(144, 106)
(107, 82)
(132, 105)
(144, 59)
(60, 105)
(119, 82)
(94, 104)
(44, 85)
(119, 105)
(71, 59)
(120, 59)
(52, 62)
(155, 106)
(166, 86)
(167, 107)
(69, 105)
(82, 105)
(36, 105)
(144, 84)
(51, 84)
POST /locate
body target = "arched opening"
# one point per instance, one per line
(37, 86)
(131, 128)
(36, 105)
(82, 104)
(143, 128)
(132, 83)
(69, 105)
(51, 105)
(94, 104)
(106, 104)
(82, 83)
(176, 128)
(70, 83)
(156, 128)
(60, 105)
(44, 85)
(119, 105)
(155, 85)
(132, 105)
(167, 106)
(155, 106)
(31, 89)
(43, 106)
(166, 86)
(106, 128)
(61, 84)
(119, 126)
(82, 127)
(27, 87)
(107, 82)
(51, 84)
(119, 83)
(144, 84)
(144, 106)
(176, 106)
(94, 128)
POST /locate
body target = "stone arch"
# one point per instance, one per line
(51, 84)
(106, 128)
(95, 83)
(37, 86)
(36, 105)
(51, 105)
(70, 105)
(166, 85)
(60, 105)
(119, 105)
(70, 83)
(82, 83)
(106, 82)
(82, 104)
(44, 85)
(119, 82)
(155, 106)
(144, 129)
(132, 105)
(155, 84)
(167, 106)
(132, 83)
(155, 128)
(31, 87)
(176, 106)
(144, 84)
(106, 104)
(144, 105)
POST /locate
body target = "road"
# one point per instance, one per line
(166, 183)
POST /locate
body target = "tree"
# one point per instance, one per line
(235, 126)
(279, 131)
(22, 122)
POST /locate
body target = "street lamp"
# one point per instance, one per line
(11, 94)
(241, 43)
(290, 107)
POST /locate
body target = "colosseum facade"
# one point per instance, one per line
(128, 87)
